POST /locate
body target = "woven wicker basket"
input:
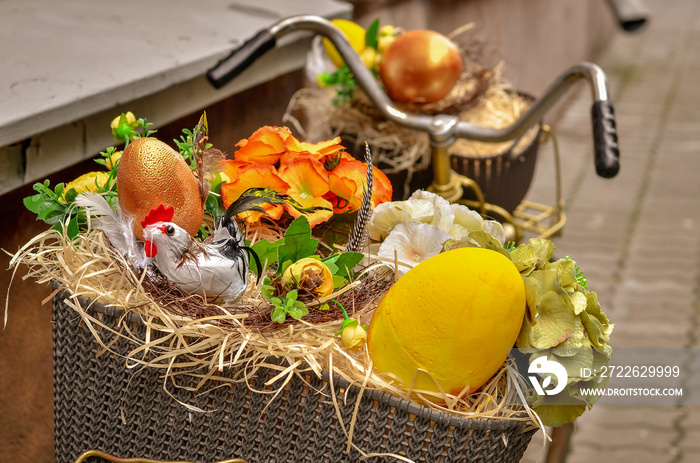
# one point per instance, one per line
(505, 177)
(100, 404)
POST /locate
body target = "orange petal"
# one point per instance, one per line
(339, 204)
(305, 176)
(382, 189)
(230, 168)
(308, 182)
(323, 212)
(347, 180)
(264, 146)
(321, 150)
(252, 176)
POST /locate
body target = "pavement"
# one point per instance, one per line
(637, 236)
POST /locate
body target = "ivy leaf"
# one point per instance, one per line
(298, 243)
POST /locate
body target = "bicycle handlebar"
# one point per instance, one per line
(442, 129)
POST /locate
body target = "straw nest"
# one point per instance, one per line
(187, 335)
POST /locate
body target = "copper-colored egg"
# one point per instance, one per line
(151, 173)
(420, 66)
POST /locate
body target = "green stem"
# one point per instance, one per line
(345, 314)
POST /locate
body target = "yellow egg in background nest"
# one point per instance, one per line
(355, 35)
(151, 173)
(456, 316)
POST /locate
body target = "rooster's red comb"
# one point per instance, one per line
(158, 214)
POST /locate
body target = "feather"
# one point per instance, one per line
(117, 228)
(360, 232)
(252, 199)
(199, 146)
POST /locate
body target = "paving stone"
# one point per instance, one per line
(636, 236)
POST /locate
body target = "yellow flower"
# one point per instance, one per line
(353, 335)
(123, 127)
(114, 159)
(311, 275)
(128, 118)
(88, 182)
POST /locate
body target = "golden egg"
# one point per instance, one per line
(420, 67)
(151, 173)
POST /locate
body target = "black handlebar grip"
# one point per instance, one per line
(242, 57)
(607, 153)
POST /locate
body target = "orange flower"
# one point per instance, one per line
(321, 151)
(347, 181)
(247, 175)
(229, 168)
(264, 146)
(308, 182)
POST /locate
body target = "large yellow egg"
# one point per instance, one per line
(455, 316)
(151, 173)
(420, 67)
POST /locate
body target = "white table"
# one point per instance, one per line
(68, 67)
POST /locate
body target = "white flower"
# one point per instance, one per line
(385, 217)
(411, 243)
(465, 221)
(495, 229)
(441, 214)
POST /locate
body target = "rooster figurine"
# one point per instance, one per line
(218, 267)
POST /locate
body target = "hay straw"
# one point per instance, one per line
(186, 336)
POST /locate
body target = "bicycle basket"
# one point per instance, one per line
(101, 404)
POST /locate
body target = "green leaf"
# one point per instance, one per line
(345, 262)
(298, 311)
(372, 35)
(298, 243)
(33, 203)
(266, 251)
(330, 263)
(278, 314)
(339, 281)
(70, 195)
(73, 228)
